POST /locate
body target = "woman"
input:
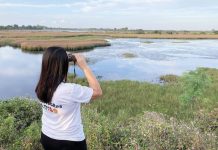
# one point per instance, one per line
(62, 127)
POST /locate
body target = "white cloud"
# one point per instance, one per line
(34, 5)
(87, 9)
(86, 6)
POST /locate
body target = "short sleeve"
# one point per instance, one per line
(81, 94)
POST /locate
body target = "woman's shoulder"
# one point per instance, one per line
(68, 86)
(65, 86)
(64, 89)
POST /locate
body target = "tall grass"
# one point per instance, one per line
(130, 115)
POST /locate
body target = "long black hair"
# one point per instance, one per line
(54, 71)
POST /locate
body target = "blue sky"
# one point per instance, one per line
(146, 14)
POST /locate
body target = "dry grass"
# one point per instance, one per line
(169, 78)
(23, 34)
(129, 55)
(67, 44)
(39, 40)
(162, 36)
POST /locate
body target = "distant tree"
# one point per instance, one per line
(16, 26)
(157, 32)
(169, 32)
(124, 29)
(29, 27)
(9, 27)
(140, 31)
(23, 27)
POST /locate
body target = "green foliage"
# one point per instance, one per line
(194, 84)
(30, 137)
(130, 115)
(24, 115)
(18, 124)
(98, 129)
(7, 130)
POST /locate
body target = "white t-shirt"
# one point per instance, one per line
(61, 119)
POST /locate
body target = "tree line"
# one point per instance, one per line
(125, 29)
(22, 27)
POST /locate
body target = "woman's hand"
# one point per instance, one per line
(93, 82)
(81, 61)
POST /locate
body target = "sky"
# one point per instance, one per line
(134, 14)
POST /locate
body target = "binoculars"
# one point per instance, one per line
(71, 58)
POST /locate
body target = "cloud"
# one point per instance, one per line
(34, 5)
(87, 9)
(85, 6)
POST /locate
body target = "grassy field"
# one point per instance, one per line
(38, 41)
(72, 41)
(181, 113)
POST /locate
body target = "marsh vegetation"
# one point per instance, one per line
(130, 115)
(38, 41)
(73, 41)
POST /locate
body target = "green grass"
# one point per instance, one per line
(131, 115)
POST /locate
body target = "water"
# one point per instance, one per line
(19, 71)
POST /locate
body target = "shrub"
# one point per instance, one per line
(7, 130)
(158, 132)
(28, 139)
(98, 129)
(207, 121)
(194, 84)
(27, 112)
(18, 127)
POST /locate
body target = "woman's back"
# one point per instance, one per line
(61, 118)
